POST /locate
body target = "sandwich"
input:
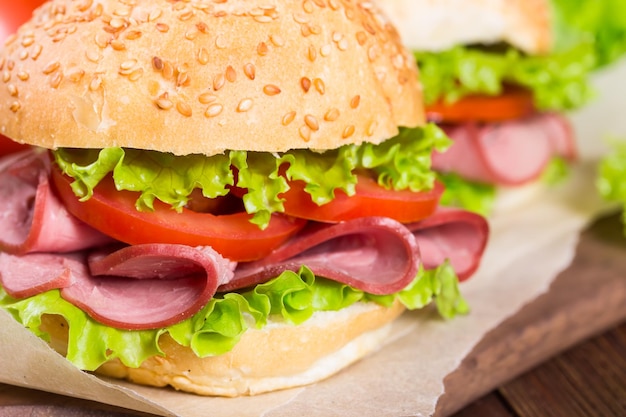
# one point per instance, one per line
(228, 198)
(500, 77)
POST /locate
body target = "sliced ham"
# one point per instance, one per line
(29, 275)
(509, 153)
(454, 234)
(374, 254)
(148, 286)
(32, 218)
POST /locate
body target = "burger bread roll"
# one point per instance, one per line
(276, 357)
(427, 25)
(203, 77)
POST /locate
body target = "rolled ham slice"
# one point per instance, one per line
(148, 286)
(454, 234)
(32, 218)
(374, 254)
(510, 153)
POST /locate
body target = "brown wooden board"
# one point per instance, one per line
(585, 300)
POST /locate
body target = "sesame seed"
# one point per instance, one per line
(51, 67)
(12, 90)
(332, 115)
(250, 71)
(315, 29)
(93, 56)
(372, 53)
(244, 105)
(76, 75)
(231, 74)
(219, 81)
(118, 22)
(164, 103)
(288, 118)
(183, 79)
(157, 63)
(305, 29)
(162, 27)
(306, 84)
(319, 85)
(203, 56)
(262, 49)
(348, 131)
(6, 76)
(202, 27)
(263, 19)
(36, 52)
(334, 4)
(23, 75)
(312, 53)
(15, 106)
(134, 34)
(126, 65)
(343, 44)
(95, 83)
(168, 70)
(192, 33)
(207, 98)
(271, 90)
(300, 18)
(154, 15)
(308, 6)
(56, 79)
(136, 74)
(102, 40)
(361, 37)
(118, 45)
(277, 40)
(3, 61)
(305, 133)
(371, 128)
(184, 109)
(10, 64)
(213, 110)
(28, 41)
(312, 122)
(221, 42)
(356, 100)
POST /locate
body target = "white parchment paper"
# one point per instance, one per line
(530, 244)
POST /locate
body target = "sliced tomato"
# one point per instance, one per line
(370, 199)
(113, 213)
(513, 103)
(14, 13)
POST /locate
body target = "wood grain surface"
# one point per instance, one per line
(584, 301)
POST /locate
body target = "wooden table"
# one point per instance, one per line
(562, 355)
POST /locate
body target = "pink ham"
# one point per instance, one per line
(510, 153)
(28, 275)
(148, 286)
(374, 254)
(457, 235)
(32, 218)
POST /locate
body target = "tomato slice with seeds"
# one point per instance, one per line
(370, 199)
(232, 235)
(513, 103)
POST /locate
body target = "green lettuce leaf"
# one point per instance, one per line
(217, 328)
(402, 162)
(588, 35)
(611, 180)
(470, 195)
(558, 81)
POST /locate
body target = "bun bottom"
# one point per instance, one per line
(279, 356)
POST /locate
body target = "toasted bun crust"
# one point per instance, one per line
(428, 25)
(207, 76)
(276, 357)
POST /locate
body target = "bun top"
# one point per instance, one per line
(204, 76)
(427, 25)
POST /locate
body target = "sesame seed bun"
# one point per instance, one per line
(276, 357)
(427, 25)
(206, 76)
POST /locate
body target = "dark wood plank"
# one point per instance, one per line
(589, 380)
(585, 300)
(491, 405)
